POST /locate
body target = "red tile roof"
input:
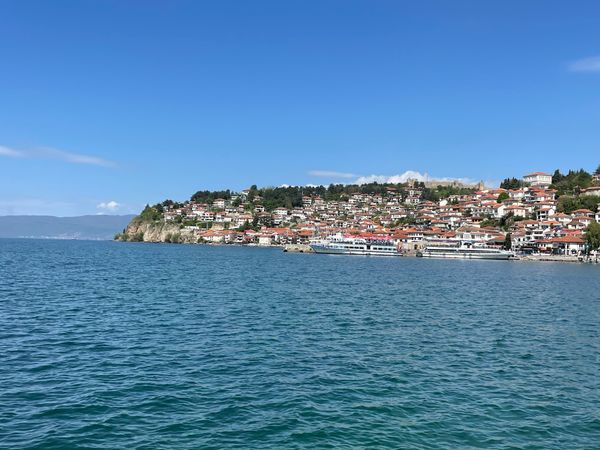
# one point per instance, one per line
(568, 240)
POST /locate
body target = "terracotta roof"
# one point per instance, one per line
(568, 240)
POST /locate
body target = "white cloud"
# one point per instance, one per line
(109, 206)
(331, 174)
(74, 158)
(395, 179)
(402, 178)
(52, 153)
(591, 64)
(408, 175)
(6, 151)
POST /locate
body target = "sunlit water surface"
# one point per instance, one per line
(137, 346)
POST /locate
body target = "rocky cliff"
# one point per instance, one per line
(139, 230)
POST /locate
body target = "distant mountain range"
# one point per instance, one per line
(98, 227)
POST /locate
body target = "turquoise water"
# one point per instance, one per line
(108, 345)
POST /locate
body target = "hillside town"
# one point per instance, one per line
(526, 218)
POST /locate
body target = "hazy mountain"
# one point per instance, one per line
(81, 227)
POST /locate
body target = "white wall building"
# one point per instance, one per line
(538, 179)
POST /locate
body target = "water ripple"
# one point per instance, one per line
(107, 345)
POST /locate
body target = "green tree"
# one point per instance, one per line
(151, 213)
(430, 195)
(572, 182)
(210, 196)
(508, 242)
(489, 222)
(246, 226)
(598, 170)
(567, 204)
(408, 220)
(592, 235)
(511, 183)
(252, 192)
(503, 196)
(291, 196)
(557, 177)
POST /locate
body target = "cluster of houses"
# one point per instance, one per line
(535, 225)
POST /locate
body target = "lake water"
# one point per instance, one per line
(140, 346)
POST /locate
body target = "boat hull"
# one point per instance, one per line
(339, 251)
(458, 255)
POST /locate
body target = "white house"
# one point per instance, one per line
(538, 179)
(499, 210)
(208, 216)
(219, 203)
(517, 210)
(280, 215)
(545, 212)
(516, 194)
(580, 222)
(563, 218)
(568, 245)
(594, 190)
(241, 219)
(265, 239)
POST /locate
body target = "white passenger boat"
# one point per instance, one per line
(356, 245)
(464, 250)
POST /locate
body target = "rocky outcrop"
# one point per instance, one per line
(157, 231)
(298, 248)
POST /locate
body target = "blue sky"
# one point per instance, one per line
(107, 105)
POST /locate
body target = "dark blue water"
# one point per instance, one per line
(108, 345)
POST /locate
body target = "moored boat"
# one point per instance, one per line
(465, 250)
(356, 245)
